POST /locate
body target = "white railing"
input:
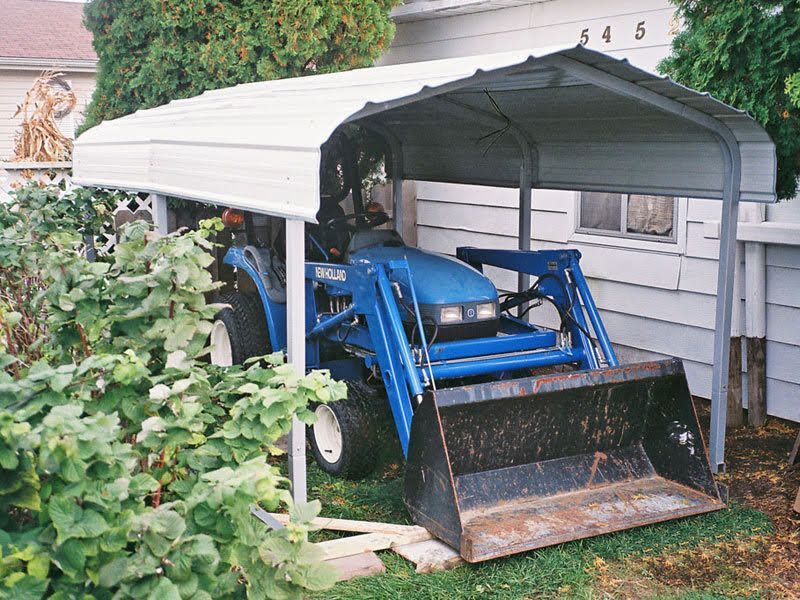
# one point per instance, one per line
(14, 175)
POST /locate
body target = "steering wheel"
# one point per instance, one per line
(368, 220)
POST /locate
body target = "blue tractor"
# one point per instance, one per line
(516, 436)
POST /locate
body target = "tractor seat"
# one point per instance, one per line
(366, 238)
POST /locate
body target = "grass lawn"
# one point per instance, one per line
(692, 558)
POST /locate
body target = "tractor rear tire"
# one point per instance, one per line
(345, 438)
(239, 331)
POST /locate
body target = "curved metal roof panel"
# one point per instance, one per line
(592, 122)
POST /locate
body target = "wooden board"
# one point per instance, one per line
(756, 381)
(357, 565)
(797, 501)
(353, 526)
(795, 450)
(430, 556)
(371, 542)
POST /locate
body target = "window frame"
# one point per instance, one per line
(623, 225)
(651, 243)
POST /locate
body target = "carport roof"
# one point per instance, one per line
(587, 121)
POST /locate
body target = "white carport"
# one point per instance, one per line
(560, 118)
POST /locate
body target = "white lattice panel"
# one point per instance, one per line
(15, 175)
(139, 207)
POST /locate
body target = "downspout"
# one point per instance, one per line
(756, 321)
(735, 416)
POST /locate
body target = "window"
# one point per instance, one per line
(628, 215)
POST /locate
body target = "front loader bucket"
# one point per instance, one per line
(503, 467)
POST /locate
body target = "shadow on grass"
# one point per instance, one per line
(566, 570)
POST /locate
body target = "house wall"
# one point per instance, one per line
(14, 83)
(656, 299)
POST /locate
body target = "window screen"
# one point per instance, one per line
(601, 211)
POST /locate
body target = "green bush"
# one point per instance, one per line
(793, 88)
(742, 53)
(154, 51)
(128, 466)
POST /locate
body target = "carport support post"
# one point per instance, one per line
(160, 214)
(722, 326)
(296, 346)
(524, 228)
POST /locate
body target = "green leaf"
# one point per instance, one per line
(305, 512)
(114, 540)
(65, 303)
(39, 566)
(8, 459)
(72, 469)
(91, 525)
(27, 587)
(112, 572)
(204, 515)
(64, 514)
(142, 483)
(248, 388)
(276, 550)
(319, 576)
(27, 497)
(165, 590)
(171, 524)
(158, 544)
(71, 557)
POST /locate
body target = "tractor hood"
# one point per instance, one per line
(438, 279)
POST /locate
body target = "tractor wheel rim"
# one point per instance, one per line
(328, 434)
(221, 352)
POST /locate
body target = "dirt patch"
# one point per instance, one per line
(727, 569)
(759, 475)
(766, 565)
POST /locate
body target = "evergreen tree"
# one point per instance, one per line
(154, 51)
(742, 52)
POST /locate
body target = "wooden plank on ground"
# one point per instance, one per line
(797, 501)
(353, 526)
(357, 565)
(371, 542)
(795, 450)
(430, 556)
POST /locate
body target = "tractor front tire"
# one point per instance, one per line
(345, 436)
(239, 331)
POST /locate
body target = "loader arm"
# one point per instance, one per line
(372, 325)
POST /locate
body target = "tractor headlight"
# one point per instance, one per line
(486, 310)
(450, 314)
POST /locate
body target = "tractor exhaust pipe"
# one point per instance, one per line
(509, 466)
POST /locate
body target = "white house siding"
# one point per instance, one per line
(14, 83)
(657, 299)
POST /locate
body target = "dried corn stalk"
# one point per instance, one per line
(40, 139)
